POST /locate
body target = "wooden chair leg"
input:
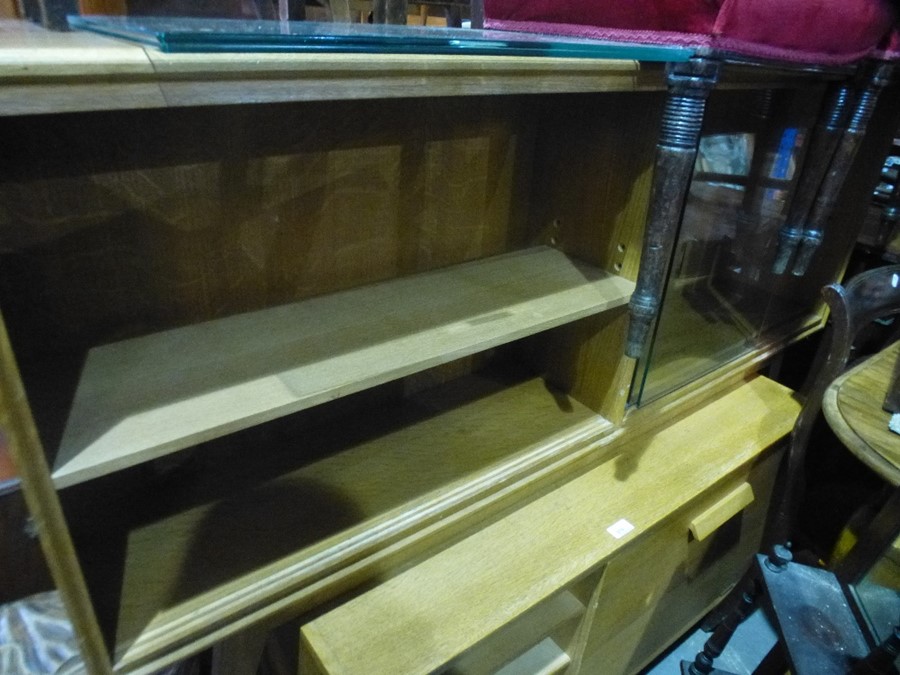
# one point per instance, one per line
(340, 10)
(822, 144)
(476, 12)
(840, 167)
(390, 11)
(715, 645)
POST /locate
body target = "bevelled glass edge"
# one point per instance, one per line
(190, 35)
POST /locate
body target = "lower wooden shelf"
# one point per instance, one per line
(273, 517)
(425, 618)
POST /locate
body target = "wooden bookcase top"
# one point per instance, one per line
(47, 72)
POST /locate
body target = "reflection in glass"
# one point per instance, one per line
(722, 298)
(878, 594)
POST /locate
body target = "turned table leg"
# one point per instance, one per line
(689, 85)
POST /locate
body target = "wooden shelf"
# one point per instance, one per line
(269, 521)
(143, 398)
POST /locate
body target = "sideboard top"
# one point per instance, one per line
(51, 72)
(44, 72)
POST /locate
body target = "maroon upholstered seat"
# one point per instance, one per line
(809, 31)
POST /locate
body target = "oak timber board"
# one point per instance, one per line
(142, 398)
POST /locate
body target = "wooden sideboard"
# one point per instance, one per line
(279, 329)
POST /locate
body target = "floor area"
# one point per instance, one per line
(751, 642)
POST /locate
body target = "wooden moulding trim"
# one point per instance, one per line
(18, 431)
(76, 71)
(173, 91)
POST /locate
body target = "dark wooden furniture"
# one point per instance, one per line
(854, 407)
(819, 631)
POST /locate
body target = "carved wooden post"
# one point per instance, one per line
(689, 86)
(715, 645)
(825, 137)
(476, 9)
(840, 166)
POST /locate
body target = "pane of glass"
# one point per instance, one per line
(878, 594)
(722, 298)
(224, 35)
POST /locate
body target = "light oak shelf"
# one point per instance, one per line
(146, 397)
(261, 530)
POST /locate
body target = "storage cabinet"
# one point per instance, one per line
(275, 351)
(276, 328)
(618, 539)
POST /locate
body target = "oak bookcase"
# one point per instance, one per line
(277, 328)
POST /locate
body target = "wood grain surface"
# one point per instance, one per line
(153, 395)
(853, 407)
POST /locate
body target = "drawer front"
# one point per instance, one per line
(662, 585)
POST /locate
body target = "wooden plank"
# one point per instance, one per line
(29, 54)
(55, 97)
(48, 72)
(201, 79)
(143, 398)
(422, 619)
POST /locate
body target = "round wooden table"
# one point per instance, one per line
(853, 408)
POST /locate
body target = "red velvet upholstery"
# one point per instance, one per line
(890, 49)
(687, 16)
(813, 31)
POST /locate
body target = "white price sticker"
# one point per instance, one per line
(620, 528)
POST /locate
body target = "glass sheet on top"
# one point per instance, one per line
(235, 35)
